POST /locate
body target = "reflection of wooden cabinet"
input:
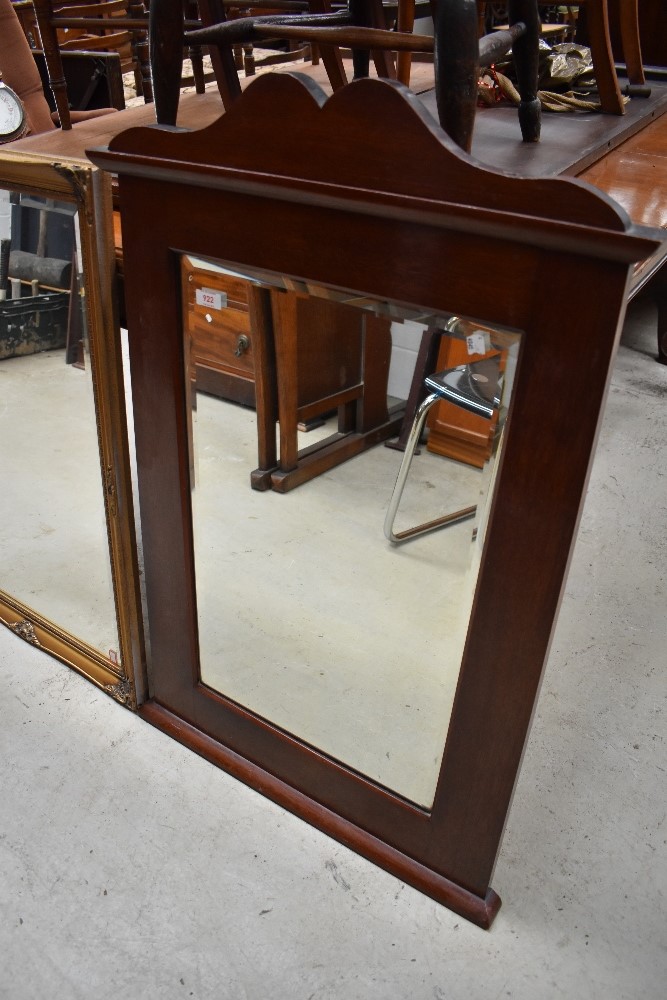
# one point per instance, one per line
(323, 352)
(216, 317)
(454, 432)
(297, 360)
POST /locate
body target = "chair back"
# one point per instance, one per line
(19, 70)
(91, 27)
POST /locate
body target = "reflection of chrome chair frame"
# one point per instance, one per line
(443, 385)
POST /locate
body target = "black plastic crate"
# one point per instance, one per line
(33, 323)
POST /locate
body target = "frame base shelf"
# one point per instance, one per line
(477, 909)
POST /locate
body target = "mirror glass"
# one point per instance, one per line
(53, 532)
(308, 615)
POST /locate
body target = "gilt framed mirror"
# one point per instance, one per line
(383, 692)
(69, 579)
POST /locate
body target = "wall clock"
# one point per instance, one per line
(13, 121)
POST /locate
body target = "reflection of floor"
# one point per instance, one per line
(53, 536)
(305, 609)
(304, 606)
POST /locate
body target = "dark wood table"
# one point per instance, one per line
(570, 142)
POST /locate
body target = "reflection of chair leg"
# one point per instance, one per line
(74, 344)
(440, 522)
(475, 387)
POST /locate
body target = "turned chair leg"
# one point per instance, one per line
(405, 22)
(197, 60)
(526, 62)
(632, 53)
(456, 56)
(597, 20)
(456, 51)
(166, 57)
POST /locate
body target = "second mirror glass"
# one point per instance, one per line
(308, 616)
(53, 528)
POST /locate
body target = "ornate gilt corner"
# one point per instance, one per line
(26, 630)
(120, 690)
(78, 178)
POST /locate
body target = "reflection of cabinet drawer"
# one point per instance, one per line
(216, 319)
(222, 337)
(322, 353)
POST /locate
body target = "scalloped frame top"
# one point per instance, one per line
(381, 139)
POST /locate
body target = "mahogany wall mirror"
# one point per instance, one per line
(68, 576)
(383, 693)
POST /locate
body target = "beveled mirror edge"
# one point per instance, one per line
(89, 188)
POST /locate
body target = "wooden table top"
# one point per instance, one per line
(633, 172)
(195, 111)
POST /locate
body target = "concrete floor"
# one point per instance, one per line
(131, 868)
(53, 536)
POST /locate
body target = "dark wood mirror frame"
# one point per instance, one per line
(368, 194)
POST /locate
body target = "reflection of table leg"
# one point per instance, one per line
(285, 336)
(259, 308)
(376, 353)
(364, 419)
(74, 350)
(313, 357)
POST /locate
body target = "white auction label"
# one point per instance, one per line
(478, 342)
(210, 298)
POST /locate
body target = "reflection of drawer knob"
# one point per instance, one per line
(242, 345)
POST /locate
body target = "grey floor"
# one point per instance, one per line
(53, 537)
(131, 868)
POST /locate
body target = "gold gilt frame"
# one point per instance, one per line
(79, 182)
